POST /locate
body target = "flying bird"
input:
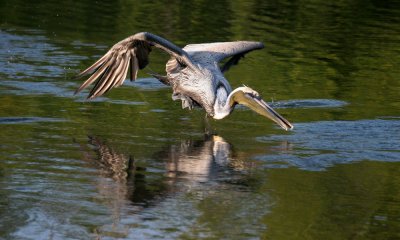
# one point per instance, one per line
(193, 72)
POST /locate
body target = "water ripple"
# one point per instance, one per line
(315, 146)
(34, 88)
(22, 120)
(310, 103)
(22, 57)
(146, 84)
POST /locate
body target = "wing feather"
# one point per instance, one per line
(131, 53)
(98, 72)
(95, 65)
(219, 51)
(106, 79)
(132, 65)
(121, 76)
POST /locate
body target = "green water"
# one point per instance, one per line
(134, 165)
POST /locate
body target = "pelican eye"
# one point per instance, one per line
(254, 95)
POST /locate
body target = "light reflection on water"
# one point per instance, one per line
(318, 145)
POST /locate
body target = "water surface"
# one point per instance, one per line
(134, 165)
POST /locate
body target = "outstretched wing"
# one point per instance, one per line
(132, 52)
(221, 50)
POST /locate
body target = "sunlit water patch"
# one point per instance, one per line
(22, 120)
(108, 100)
(146, 84)
(30, 56)
(317, 145)
(310, 103)
(141, 84)
(36, 88)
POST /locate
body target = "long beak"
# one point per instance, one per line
(261, 107)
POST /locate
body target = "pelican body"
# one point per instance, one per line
(194, 74)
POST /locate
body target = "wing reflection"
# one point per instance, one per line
(110, 162)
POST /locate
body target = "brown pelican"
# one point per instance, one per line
(192, 72)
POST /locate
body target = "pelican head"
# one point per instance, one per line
(251, 99)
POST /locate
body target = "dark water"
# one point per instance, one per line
(134, 165)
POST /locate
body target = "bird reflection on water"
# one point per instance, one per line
(181, 174)
(189, 162)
